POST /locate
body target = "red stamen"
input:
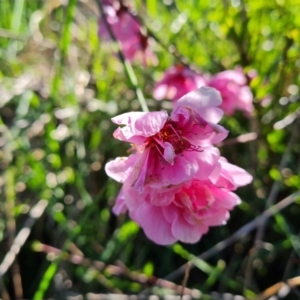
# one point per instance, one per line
(169, 134)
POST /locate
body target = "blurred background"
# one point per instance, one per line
(60, 83)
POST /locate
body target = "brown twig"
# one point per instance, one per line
(274, 289)
(93, 296)
(185, 279)
(291, 260)
(116, 270)
(3, 292)
(275, 188)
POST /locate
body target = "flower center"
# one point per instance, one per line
(174, 137)
(171, 135)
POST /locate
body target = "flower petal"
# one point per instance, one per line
(139, 125)
(218, 217)
(120, 206)
(154, 224)
(201, 98)
(119, 169)
(232, 176)
(186, 232)
(225, 198)
(206, 161)
(140, 169)
(171, 175)
(212, 114)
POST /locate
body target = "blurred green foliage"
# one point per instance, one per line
(59, 87)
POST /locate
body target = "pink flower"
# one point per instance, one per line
(170, 150)
(184, 214)
(176, 82)
(175, 184)
(232, 84)
(127, 31)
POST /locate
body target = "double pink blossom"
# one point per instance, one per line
(176, 82)
(127, 30)
(175, 184)
(170, 150)
(187, 212)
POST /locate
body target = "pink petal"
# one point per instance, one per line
(139, 124)
(120, 206)
(119, 169)
(155, 226)
(170, 212)
(234, 174)
(132, 197)
(186, 232)
(203, 197)
(182, 116)
(211, 114)
(225, 199)
(220, 133)
(203, 102)
(172, 175)
(201, 98)
(161, 197)
(140, 169)
(217, 219)
(206, 160)
(231, 75)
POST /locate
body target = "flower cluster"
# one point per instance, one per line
(175, 183)
(127, 30)
(232, 84)
(176, 82)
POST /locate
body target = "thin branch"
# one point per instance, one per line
(111, 296)
(271, 199)
(3, 292)
(282, 165)
(293, 256)
(34, 214)
(274, 289)
(127, 66)
(48, 275)
(186, 277)
(114, 270)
